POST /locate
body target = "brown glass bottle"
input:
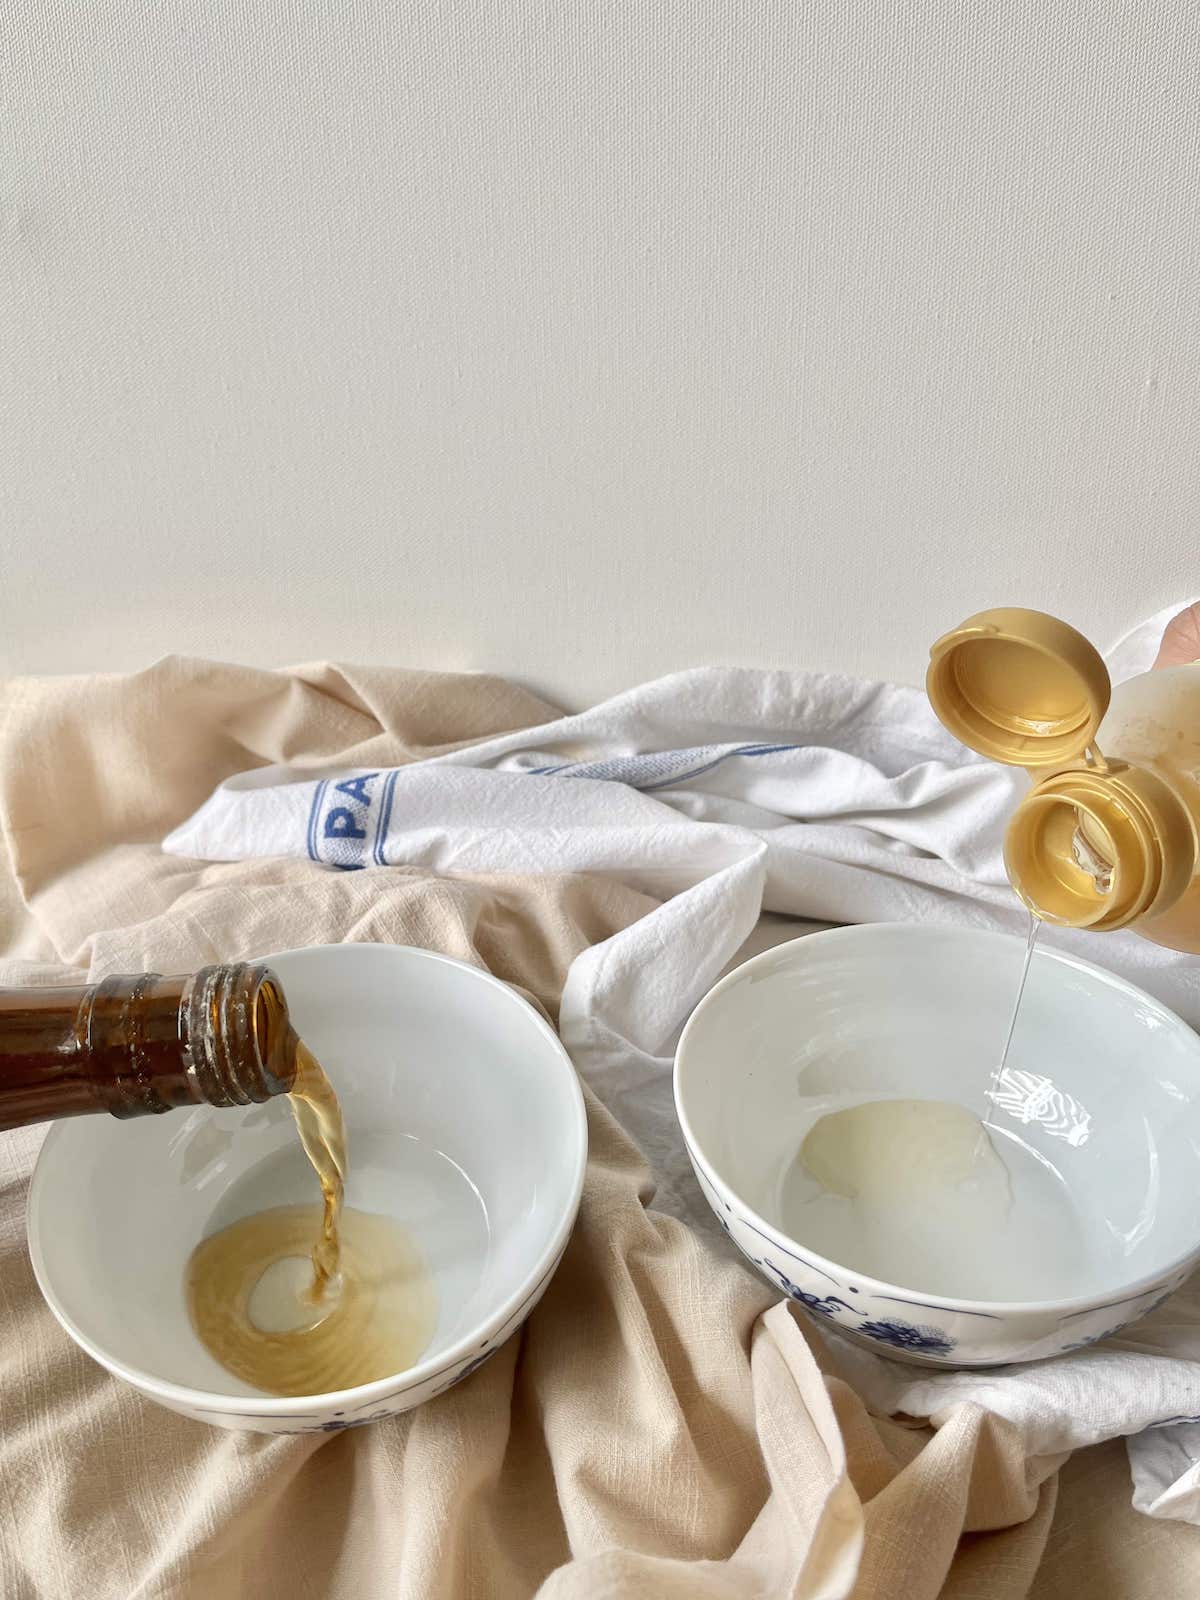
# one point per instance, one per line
(135, 1046)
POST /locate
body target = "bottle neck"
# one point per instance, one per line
(1100, 847)
(139, 1045)
(238, 1042)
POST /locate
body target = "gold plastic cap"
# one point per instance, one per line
(1019, 686)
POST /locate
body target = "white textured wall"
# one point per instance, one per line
(589, 340)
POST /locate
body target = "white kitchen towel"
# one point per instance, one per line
(726, 792)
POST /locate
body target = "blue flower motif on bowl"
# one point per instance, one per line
(339, 1422)
(1119, 1327)
(1094, 1338)
(826, 1305)
(465, 1372)
(1162, 1300)
(908, 1336)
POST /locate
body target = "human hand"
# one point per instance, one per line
(1181, 640)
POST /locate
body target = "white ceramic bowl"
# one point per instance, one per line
(465, 1121)
(1103, 1092)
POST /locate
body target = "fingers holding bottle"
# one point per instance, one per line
(1181, 639)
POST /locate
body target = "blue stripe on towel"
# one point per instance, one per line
(385, 816)
(314, 812)
(658, 769)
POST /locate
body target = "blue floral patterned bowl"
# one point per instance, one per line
(1101, 1093)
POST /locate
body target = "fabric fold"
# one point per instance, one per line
(661, 1425)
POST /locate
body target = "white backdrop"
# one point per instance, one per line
(585, 340)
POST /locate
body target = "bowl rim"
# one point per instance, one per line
(1117, 1295)
(361, 1395)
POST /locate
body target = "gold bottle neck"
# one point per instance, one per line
(1100, 846)
(238, 1043)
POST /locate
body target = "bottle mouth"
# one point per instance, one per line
(274, 1037)
(1092, 849)
(239, 1038)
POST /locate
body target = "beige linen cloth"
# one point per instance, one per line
(661, 1427)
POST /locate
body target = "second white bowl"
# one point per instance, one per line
(1102, 1097)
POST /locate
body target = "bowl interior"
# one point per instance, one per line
(463, 1120)
(1101, 1099)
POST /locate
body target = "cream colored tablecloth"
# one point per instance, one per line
(660, 1428)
